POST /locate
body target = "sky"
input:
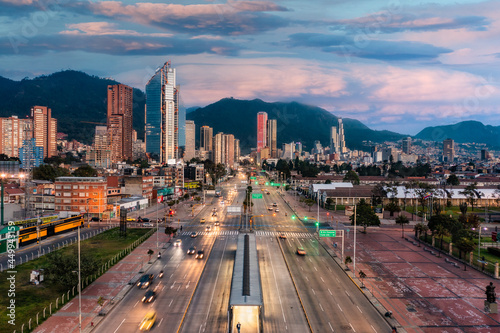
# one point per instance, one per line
(392, 64)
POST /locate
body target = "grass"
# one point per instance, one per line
(31, 299)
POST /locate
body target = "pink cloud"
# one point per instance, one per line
(104, 28)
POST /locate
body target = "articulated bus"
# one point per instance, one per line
(29, 234)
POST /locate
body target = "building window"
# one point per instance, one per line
(58, 187)
(81, 194)
(66, 194)
(75, 187)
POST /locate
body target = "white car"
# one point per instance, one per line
(147, 224)
(178, 242)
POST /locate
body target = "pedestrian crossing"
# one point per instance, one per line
(257, 233)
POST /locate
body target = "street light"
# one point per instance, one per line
(2, 207)
(479, 242)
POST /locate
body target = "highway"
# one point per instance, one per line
(193, 295)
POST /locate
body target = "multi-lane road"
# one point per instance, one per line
(299, 293)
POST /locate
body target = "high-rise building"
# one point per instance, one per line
(30, 155)
(218, 152)
(120, 107)
(162, 115)
(271, 137)
(406, 145)
(448, 150)
(485, 155)
(334, 140)
(206, 139)
(261, 130)
(13, 131)
(341, 137)
(44, 130)
(100, 154)
(298, 147)
(237, 151)
(228, 141)
(190, 131)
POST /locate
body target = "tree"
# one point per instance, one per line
(309, 203)
(463, 208)
(472, 194)
(49, 172)
(378, 193)
(351, 176)
(392, 207)
(150, 253)
(440, 232)
(362, 276)
(85, 171)
(420, 229)
(464, 245)
(453, 180)
(347, 261)
(365, 216)
(402, 219)
(170, 231)
(329, 202)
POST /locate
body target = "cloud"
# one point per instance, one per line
(230, 18)
(120, 45)
(104, 28)
(370, 49)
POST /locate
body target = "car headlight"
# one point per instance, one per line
(144, 298)
(146, 284)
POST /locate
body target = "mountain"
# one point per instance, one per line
(75, 98)
(296, 122)
(462, 132)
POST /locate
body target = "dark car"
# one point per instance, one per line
(282, 236)
(191, 250)
(145, 281)
(145, 219)
(149, 296)
(96, 219)
(200, 254)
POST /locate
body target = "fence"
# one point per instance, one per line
(86, 281)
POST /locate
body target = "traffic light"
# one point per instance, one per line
(317, 224)
(272, 183)
(305, 218)
(293, 217)
(327, 213)
(267, 183)
(274, 214)
(256, 183)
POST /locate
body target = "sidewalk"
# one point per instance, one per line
(425, 292)
(111, 286)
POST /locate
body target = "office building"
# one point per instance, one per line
(271, 137)
(44, 130)
(298, 148)
(218, 151)
(81, 194)
(237, 151)
(341, 137)
(334, 140)
(206, 140)
(30, 155)
(228, 157)
(448, 150)
(162, 115)
(120, 108)
(406, 145)
(485, 155)
(190, 132)
(261, 130)
(100, 155)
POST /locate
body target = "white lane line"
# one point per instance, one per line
(352, 327)
(307, 278)
(170, 303)
(321, 307)
(338, 280)
(315, 268)
(163, 288)
(374, 329)
(359, 309)
(322, 279)
(216, 279)
(160, 322)
(276, 283)
(347, 293)
(136, 303)
(171, 275)
(173, 284)
(332, 327)
(119, 326)
(187, 286)
(339, 307)
(330, 291)
(313, 291)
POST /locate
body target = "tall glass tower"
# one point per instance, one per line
(162, 115)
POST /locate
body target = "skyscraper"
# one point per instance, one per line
(448, 150)
(228, 157)
(120, 107)
(406, 145)
(261, 130)
(100, 155)
(341, 137)
(271, 137)
(334, 140)
(237, 151)
(189, 150)
(206, 138)
(218, 151)
(44, 130)
(162, 115)
(13, 131)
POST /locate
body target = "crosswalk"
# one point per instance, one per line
(257, 233)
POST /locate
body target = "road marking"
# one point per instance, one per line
(322, 279)
(313, 291)
(134, 305)
(330, 291)
(160, 322)
(359, 309)
(331, 326)
(187, 286)
(338, 280)
(352, 327)
(307, 278)
(315, 268)
(374, 329)
(339, 307)
(170, 303)
(347, 293)
(163, 288)
(276, 282)
(321, 307)
(119, 326)
(173, 284)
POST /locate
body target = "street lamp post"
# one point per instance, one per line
(79, 285)
(2, 207)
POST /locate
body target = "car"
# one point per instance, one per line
(148, 321)
(214, 214)
(194, 234)
(202, 221)
(149, 296)
(268, 193)
(301, 251)
(270, 209)
(200, 254)
(275, 204)
(95, 219)
(130, 219)
(191, 250)
(214, 209)
(277, 210)
(177, 242)
(208, 228)
(147, 224)
(282, 236)
(145, 281)
(216, 223)
(144, 219)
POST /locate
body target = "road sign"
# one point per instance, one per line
(328, 233)
(256, 195)
(253, 178)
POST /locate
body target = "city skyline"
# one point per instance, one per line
(386, 64)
